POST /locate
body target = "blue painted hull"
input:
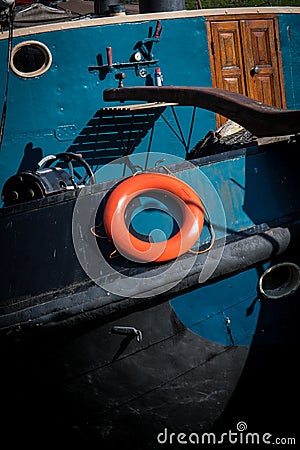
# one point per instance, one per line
(56, 111)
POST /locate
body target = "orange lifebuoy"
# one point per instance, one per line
(143, 251)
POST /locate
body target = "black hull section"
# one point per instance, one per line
(94, 387)
(83, 301)
(85, 385)
(114, 390)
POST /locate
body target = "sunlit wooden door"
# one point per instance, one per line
(245, 58)
(226, 48)
(261, 62)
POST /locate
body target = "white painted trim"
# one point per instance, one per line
(94, 22)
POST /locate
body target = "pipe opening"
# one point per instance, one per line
(279, 281)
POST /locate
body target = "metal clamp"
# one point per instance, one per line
(128, 331)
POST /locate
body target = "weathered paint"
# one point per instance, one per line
(230, 185)
(225, 312)
(289, 27)
(68, 95)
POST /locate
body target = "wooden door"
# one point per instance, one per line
(228, 57)
(245, 58)
(261, 63)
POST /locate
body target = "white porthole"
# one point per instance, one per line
(30, 59)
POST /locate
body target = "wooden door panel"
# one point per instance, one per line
(264, 90)
(261, 61)
(229, 70)
(233, 83)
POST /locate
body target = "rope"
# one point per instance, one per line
(9, 49)
(114, 254)
(93, 228)
(168, 171)
(212, 234)
(157, 165)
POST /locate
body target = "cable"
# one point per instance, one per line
(9, 49)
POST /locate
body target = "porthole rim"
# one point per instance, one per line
(38, 72)
(267, 295)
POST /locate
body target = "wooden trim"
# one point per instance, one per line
(230, 17)
(279, 59)
(207, 13)
(211, 54)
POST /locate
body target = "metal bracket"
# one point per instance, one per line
(128, 331)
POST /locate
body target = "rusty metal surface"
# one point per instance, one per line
(260, 119)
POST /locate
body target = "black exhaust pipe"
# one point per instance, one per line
(150, 6)
(101, 7)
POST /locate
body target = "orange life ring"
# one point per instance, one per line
(142, 251)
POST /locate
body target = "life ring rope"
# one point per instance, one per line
(115, 253)
(212, 234)
(97, 235)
